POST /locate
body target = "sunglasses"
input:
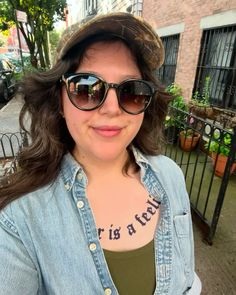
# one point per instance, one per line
(88, 92)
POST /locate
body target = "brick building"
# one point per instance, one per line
(200, 42)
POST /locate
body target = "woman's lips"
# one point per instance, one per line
(108, 131)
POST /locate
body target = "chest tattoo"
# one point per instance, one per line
(139, 220)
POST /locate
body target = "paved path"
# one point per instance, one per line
(9, 123)
(9, 116)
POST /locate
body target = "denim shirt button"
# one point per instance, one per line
(67, 186)
(92, 247)
(107, 291)
(80, 204)
(80, 176)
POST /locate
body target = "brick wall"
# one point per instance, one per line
(166, 13)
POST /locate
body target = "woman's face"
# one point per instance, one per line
(104, 133)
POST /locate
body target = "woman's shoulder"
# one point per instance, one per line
(29, 203)
(171, 177)
(163, 164)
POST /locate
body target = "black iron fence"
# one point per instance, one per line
(206, 152)
(10, 145)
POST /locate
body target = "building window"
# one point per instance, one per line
(166, 73)
(90, 7)
(217, 65)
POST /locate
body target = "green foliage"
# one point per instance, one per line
(41, 16)
(2, 42)
(178, 102)
(54, 38)
(189, 133)
(202, 100)
(220, 145)
(6, 17)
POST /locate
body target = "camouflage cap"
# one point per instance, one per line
(131, 28)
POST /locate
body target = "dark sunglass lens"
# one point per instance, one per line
(134, 96)
(86, 91)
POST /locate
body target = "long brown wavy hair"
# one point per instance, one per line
(39, 162)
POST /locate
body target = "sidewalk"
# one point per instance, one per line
(9, 123)
(9, 116)
(216, 264)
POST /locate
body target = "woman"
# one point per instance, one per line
(94, 207)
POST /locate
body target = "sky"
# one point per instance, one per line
(73, 5)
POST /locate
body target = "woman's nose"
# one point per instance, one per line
(111, 104)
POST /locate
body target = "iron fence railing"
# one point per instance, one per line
(197, 146)
(10, 145)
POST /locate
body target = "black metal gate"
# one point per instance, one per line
(200, 163)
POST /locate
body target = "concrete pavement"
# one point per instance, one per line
(9, 123)
(9, 115)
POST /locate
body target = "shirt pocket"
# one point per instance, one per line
(182, 224)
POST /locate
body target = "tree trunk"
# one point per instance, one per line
(41, 57)
(46, 50)
(31, 45)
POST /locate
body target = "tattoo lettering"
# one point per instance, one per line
(114, 234)
(143, 219)
(144, 215)
(149, 210)
(131, 229)
(156, 206)
(139, 220)
(100, 230)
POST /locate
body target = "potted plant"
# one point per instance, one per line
(175, 116)
(188, 139)
(199, 105)
(219, 153)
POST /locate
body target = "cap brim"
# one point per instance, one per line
(124, 25)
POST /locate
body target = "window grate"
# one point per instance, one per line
(166, 73)
(217, 64)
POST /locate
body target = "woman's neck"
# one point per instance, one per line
(95, 168)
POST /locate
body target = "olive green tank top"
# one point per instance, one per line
(133, 272)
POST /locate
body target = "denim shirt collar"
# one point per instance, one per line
(71, 169)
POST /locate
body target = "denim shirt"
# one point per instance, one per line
(49, 243)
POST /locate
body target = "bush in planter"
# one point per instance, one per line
(174, 118)
(219, 151)
(188, 139)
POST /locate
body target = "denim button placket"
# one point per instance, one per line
(80, 176)
(67, 186)
(107, 291)
(80, 204)
(92, 247)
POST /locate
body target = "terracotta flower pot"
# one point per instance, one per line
(188, 143)
(221, 164)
